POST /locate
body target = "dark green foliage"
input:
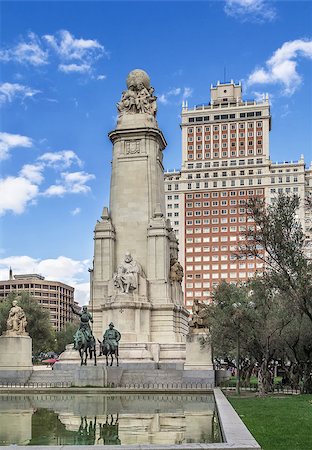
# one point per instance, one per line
(65, 336)
(270, 318)
(38, 321)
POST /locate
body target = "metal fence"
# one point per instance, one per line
(276, 389)
(35, 384)
(172, 385)
(67, 384)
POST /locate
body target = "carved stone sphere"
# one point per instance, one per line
(138, 76)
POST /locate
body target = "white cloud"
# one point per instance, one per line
(76, 181)
(66, 270)
(82, 293)
(62, 159)
(55, 190)
(68, 47)
(175, 92)
(71, 183)
(74, 68)
(30, 52)
(250, 10)
(76, 55)
(16, 193)
(75, 211)
(101, 77)
(32, 172)
(11, 91)
(281, 68)
(9, 141)
(187, 92)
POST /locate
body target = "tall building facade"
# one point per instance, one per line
(54, 296)
(225, 161)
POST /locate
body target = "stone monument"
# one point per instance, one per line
(198, 359)
(15, 347)
(136, 277)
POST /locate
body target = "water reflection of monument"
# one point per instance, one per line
(128, 419)
(136, 277)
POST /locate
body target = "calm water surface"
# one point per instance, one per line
(79, 419)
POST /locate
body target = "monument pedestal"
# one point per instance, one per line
(198, 354)
(15, 358)
(198, 361)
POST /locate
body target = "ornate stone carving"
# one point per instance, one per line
(16, 323)
(199, 312)
(139, 97)
(132, 147)
(176, 270)
(126, 277)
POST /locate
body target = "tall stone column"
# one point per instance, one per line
(134, 246)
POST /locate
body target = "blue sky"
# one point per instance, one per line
(64, 66)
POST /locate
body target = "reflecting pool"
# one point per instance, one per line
(80, 419)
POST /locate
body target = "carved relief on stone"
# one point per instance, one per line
(176, 270)
(16, 323)
(126, 278)
(199, 312)
(132, 147)
(139, 97)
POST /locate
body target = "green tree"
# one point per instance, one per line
(230, 321)
(278, 240)
(65, 336)
(38, 321)
(246, 322)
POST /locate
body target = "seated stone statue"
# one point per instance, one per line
(126, 277)
(176, 270)
(199, 312)
(16, 323)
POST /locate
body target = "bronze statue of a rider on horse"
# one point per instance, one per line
(84, 340)
(109, 346)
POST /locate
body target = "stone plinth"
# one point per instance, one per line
(15, 358)
(198, 356)
(90, 376)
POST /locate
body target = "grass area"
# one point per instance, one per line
(277, 422)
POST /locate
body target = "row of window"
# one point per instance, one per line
(225, 127)
(286, 179)
(241, 162)
(233, 266)
(233, 173)
(222, 220)
(224, 116)
(224, 183)
(216, 137)
(224, 275)
(215, 203)
(35, 286)
(216, 212)
(225, 153)
(217, 194)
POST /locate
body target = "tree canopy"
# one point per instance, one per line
(269, 318)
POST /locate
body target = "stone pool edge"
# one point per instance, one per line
(235, 434)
